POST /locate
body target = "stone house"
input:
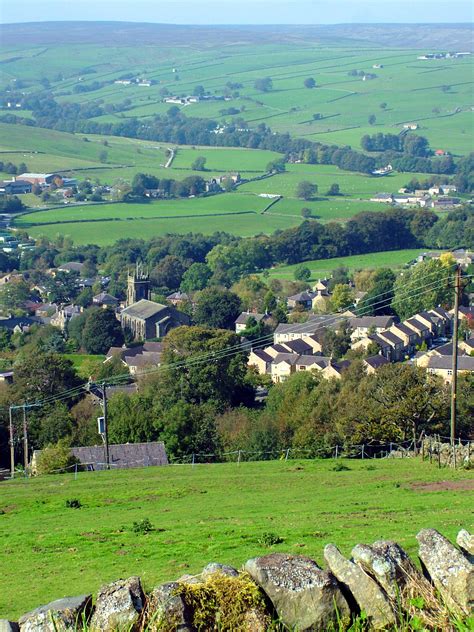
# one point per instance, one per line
(145, 319)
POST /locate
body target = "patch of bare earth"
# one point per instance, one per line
(444, 486)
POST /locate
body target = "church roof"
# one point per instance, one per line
(144, 309)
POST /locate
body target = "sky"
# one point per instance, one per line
(239, 12)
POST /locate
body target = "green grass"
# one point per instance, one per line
(207, 513)
(323, 267)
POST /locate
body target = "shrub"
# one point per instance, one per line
(269, 539)
(340, 467)
(142, 526)
(73, 503)
(56, 458)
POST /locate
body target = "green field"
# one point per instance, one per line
(324, 267)
(209, 513)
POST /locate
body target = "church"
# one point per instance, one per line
(145, 319)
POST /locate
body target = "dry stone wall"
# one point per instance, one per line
(380, 586)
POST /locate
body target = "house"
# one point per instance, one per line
(6, 377)
(445, 202)
(15, 187)
(261, 360)
(396, 343)
(364, 325)
(408, 335)
(146, 319)
(298, 346)
(442, 365)
(374, 363)
(335, 369)
(177, 298)
(282, 366)
(466, 313)
(311, 363)
(422, 329)
(137, 359)
(105, 300)
(314, 326)
(385, 348)
(71, 266)
(275, 349)
(302, 299)
(18, 324)
(443, 320)
(64, 315)
(412, 126)
(242, 319)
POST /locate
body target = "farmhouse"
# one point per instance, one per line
(15, 187)
(242, 319)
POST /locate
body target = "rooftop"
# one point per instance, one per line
(144, 309)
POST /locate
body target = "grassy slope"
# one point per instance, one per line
(207, 513)
(324, 267)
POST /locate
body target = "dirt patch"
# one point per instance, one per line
(444, 486)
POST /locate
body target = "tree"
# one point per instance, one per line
(199, 91)
(309, 83)
(342, 297)
(199, 164)
(56, 458)
(263, 85)
(424, 286)
(383, 106)
(218, 379)
(168, 273)
(42, 374)
(306, 212)
(372, 119)
(302, 273)
(334, 189)
(196, 277)
(336, 343)
(101, 331)
(306, 190)
(276, 166)
(13, 295)
(103, 155)
(62, 287)
(217, 308)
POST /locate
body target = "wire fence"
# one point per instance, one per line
(437, 449)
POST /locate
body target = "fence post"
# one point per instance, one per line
(238, 458)
(439, 458)
(193, 460)
(422, 450)
(75, 472)
(362, 450)
(287, 453)
(337, 451)
(431, 450)
(454, 456)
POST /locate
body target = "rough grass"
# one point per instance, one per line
(206, 513)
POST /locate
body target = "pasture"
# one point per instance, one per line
(211, 512)
(323, 267)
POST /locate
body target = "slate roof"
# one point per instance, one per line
(311, 326)
(289, 358)
(441, 313)
(403, 328)
(417, 324)
(465, 363)
(71, 266)
(391, 337)
(298, 346)
(260, 353)
(143, 309)
(320, 361)
(123, 455)
(377, 361)
(302, 297)
(21, 321)
(244, 316)
(382, 322)
(178, 296)
(105, 298)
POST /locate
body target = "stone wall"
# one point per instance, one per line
(447, 455)
(379, 586)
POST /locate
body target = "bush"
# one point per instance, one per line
(142, 526)
(55, 458)
(340, 467)
(269, 539)
(73, 503)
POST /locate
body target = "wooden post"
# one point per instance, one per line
(25, 440)
(337, 451)
(287, 454)
(454, 380)
(12, 446)
(238, 459)
(362, 450)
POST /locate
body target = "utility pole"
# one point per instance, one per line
(12, 447)
(25, 438)
(106, 433)
(454, 381)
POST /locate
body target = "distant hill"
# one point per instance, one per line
(423, 36)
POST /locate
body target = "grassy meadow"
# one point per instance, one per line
(323, 267)
(209, 513)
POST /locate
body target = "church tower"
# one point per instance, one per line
(138, 285)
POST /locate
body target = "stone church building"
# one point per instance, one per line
(145, 319)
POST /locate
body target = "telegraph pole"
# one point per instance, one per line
(106, 433)
(454, 381)
(25, 439)
(12, 447)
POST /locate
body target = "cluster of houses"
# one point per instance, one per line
(449, 55)
(187, 100)
(137, 81)
(298, 346)
(24, 183)
(434, 197)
